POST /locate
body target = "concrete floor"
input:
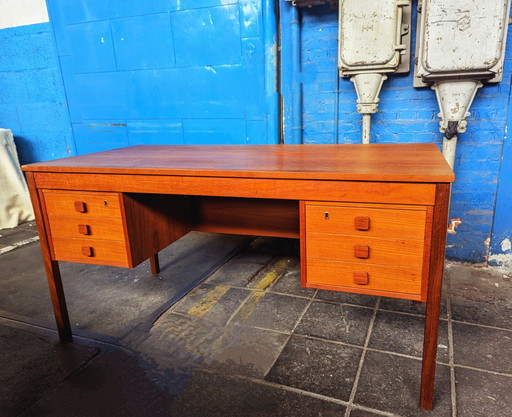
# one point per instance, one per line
(245, 341)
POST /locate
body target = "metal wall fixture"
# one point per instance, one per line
(311, 3)
(460, 45)
(374, 40)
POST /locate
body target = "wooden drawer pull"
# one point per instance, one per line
(80, 206)
(84, 229)
(362, 223)
(362, 251)
(87, 251)
(361, 278)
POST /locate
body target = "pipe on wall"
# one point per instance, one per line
(290, 73)
(296, 73)
(272, 96)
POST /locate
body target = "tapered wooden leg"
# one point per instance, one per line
(439, 225)
(58, 301)
(52, 267)
(155, 264)
(428, 370)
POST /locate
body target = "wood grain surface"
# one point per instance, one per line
(383, 278)
(383, 251)
(375, 162)
(404, 224)
(286, 189)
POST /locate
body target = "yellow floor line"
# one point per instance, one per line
(272, 276)
(208, 301)
(250, 305)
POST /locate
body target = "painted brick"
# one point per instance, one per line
(13, 87)
(9, 117)
(407, 114)
(43, 86)
(26, 52)
(34, 117)
(54, 144)
(32, 99)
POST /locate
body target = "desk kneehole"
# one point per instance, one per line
(371, 249)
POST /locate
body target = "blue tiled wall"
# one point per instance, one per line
(405, 114)
(32, 99)
(175, 71)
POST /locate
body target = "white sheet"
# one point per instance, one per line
(15, 206)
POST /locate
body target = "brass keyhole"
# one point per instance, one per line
(326, 214)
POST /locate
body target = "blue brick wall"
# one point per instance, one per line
(501, 241)
(32, 99)
(406, 114)
(170, 72)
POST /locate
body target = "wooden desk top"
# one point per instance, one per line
(349, 162)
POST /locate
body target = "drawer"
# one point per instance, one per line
(342, 275)
(365, 249)
(361, 221)
(106, 252)
(87, 227)
(66, 203)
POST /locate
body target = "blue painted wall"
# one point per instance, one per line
(327, 115)
(501, 242)
(165, 71)
(105, 74)
(32, 99)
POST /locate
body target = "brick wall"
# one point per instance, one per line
(32, 99)
(407, 114)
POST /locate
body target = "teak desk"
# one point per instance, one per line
(371, 219)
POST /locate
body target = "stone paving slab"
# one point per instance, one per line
(247, 341)
(317, 366)
(402, 333)
(214, 395)
(392, 383)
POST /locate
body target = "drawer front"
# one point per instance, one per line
(363, 221)
(106, 252)
(365, 249)
(87, 227)
(66, 203)
(347, 274)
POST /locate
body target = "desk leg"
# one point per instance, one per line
(439, 222)
(60, 309)
(155, 264)
(52, 267)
